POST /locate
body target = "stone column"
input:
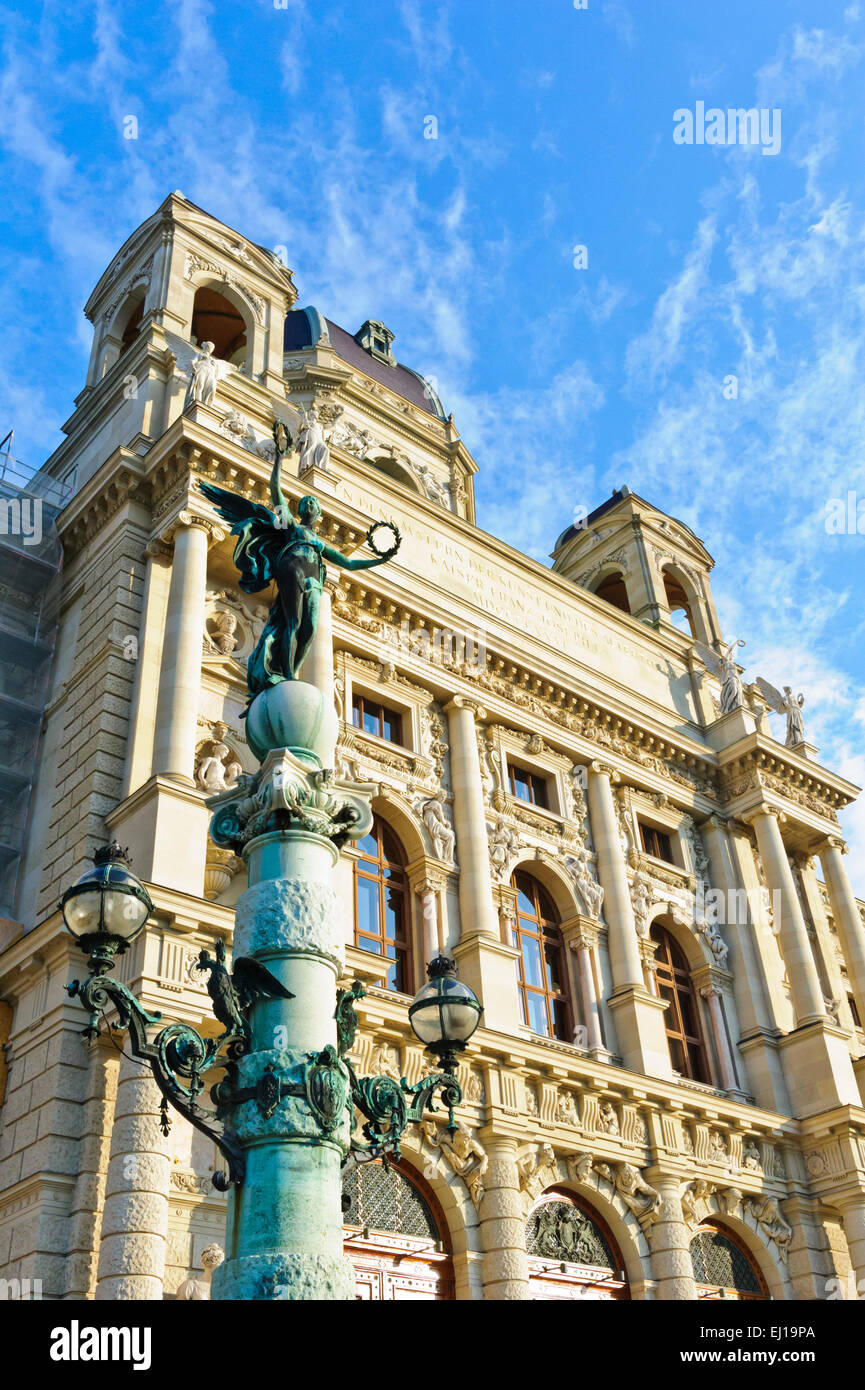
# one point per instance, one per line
(503, 1225)
(848, 923)
(795, 946)
(618, 911)
(670, 1241)
(93, 1159)
(180, 679)
(639, 1016)
(428, 890)
(485, 962)
(712, 995)
(135, 1216)
(852, 1211)
(583, 943)
(477, 913)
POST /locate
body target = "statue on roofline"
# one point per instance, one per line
(277, 546)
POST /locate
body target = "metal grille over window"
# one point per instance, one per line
(718, 1261)
(561, 1231)
(383, 1199)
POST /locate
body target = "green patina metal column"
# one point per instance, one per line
(283, 1102)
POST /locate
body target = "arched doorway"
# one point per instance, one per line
(572, 1252)
(395, 1234)
(723, 1265)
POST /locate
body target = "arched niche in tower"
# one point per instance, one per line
(219, 318)
(611, 587)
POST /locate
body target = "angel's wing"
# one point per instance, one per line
(774, 699)
(186, 353)
(252, 980)
(259, 539)
(708, 657)
(234, 508)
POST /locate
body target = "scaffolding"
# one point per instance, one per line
(30, 564)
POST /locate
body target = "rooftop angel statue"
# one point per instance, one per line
(722, 665)
(278, 546)
(788, 704)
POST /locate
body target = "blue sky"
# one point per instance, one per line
(303, 126)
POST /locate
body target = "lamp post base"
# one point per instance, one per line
(280, 1275)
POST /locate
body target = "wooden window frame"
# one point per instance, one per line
(389, 876)
(677, 979)
(363, 704)
(533, 780)
(548, 935)
(650, 836)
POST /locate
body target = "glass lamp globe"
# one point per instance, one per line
(444, 1013)
(108, 901)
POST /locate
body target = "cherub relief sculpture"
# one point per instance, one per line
(198, 1290)
(219, 769)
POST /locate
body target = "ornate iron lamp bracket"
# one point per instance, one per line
(178, 1057)
(383, 1101)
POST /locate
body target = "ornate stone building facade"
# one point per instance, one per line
(578, 796)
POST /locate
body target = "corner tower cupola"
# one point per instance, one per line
(643, 562)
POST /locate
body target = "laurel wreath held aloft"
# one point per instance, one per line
(387, 526)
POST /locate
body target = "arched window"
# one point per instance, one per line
(216, 320)
(723, 1266)
(381, 904)
(395, 1234)
(613, 590)
(682, 1018)
(679, 604)
(541, 968)
(571, 1250)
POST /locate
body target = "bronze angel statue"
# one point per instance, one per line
(279, 546)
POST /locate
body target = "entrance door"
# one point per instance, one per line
(723, 1266)
(395, 1235)
(572, 1253)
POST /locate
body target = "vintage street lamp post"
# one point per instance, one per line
(287, 1101)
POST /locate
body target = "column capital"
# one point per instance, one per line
(604, 770)
(802, 860)
(462, 702)
(833, 842)
(751, 817)
(580, 933)
(189, 519)
(716, 822)
(426, 882)
(710, 991)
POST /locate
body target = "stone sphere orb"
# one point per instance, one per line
(293, 715)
